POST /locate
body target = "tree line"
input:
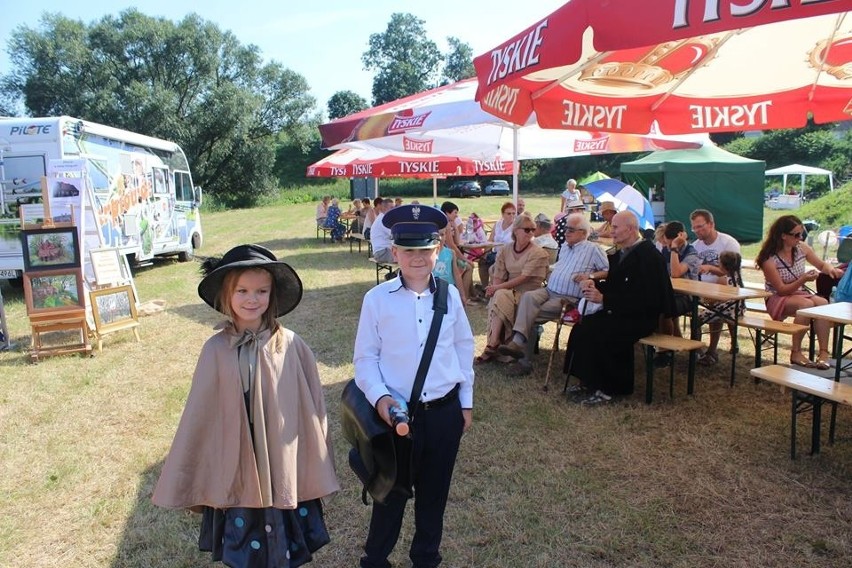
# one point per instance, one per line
(248, 127)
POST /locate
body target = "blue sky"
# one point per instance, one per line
(323, 40)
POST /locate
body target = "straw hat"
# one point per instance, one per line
(288, 286)
(607, 206)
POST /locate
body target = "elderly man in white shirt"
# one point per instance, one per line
(579, 260)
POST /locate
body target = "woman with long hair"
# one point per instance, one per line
(782, 259)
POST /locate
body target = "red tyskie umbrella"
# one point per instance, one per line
(688, 65)
(378, 163)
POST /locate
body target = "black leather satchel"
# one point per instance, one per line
(380, 458)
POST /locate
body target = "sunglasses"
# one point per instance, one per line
(572, 230)
(527, 230)
(797, 235)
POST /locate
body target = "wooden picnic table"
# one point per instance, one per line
(839, 315)
(708, 295)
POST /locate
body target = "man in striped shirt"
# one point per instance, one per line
(579, 260)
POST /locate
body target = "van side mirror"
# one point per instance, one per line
(197, 194)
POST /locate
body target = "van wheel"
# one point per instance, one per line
(186, 255)
(17, 283)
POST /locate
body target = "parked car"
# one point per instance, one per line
(464, 189)
(498, 187)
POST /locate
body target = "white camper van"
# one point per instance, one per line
(138, 189)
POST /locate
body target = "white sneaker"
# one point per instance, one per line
(599, 397)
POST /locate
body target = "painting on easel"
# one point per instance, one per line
(50, 248)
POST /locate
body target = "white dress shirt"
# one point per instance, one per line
(380, 236)
(392, 332)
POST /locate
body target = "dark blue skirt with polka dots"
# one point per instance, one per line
(263, 538)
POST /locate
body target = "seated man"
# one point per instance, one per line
(543, 238)
(607, 211)
(636, 292)
(380, 236)
(579, 260)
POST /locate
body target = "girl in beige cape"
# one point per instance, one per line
(252, 451)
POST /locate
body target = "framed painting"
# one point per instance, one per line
(54, 290)
(55, 247)
(114, 309)
(33, 216)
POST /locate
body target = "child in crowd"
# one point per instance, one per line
(255, 390)
(731, 263)
(395, 318)
(449, 266)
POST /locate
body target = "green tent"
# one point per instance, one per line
(729, 186)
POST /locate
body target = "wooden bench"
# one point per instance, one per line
(771, 328)
(322, 230)
(674, 345)
(809, 392)
(359, 238)
(386, 267)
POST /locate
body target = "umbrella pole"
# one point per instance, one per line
(435, 191)
(515, 167)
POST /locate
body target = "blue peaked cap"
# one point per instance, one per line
(415, 226)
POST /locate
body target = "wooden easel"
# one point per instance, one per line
(68, 320)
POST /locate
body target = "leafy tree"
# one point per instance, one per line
(405, 61)
(343, 103)
(188, 81)
(458, 63)
(296, 149)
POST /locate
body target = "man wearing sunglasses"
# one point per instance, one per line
(579, 259)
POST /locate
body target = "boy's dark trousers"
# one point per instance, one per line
(436, 433)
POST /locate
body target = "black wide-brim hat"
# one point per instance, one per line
(415, 226)
(288, 285)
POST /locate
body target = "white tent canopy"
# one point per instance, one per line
(800, 170)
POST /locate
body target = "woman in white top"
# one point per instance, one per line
(570, 194)
(502, 233)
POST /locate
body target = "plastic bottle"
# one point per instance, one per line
(399, 414)
(468, 235)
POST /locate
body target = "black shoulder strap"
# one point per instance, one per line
(439, 306)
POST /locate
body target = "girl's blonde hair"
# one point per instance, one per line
(229, 285)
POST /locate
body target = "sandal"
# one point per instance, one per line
(708, 359)
(488, 354)
(801, 361)
(822, 363)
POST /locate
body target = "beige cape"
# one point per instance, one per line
(212, 460)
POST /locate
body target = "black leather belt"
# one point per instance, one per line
(444, 400)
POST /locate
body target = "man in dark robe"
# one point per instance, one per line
(635, 292)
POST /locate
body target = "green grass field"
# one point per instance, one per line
(701, 481)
